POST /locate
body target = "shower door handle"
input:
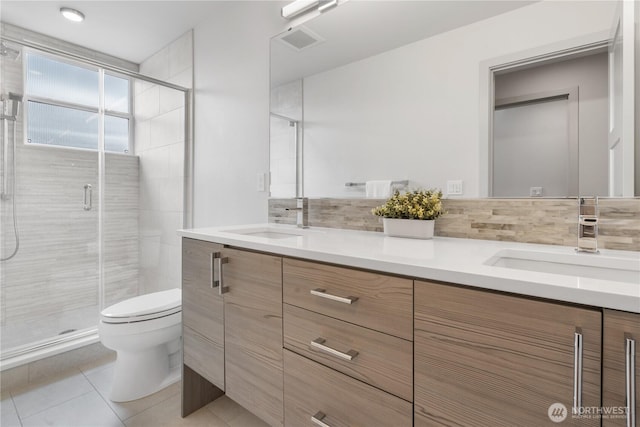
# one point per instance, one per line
(88, 197)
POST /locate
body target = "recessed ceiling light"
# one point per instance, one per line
(72, 14)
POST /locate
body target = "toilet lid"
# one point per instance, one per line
(145, 307)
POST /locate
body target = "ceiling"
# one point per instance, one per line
(131, 30)
(360, 29)
(135, 30)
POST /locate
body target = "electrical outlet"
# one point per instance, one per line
(535, 192)
(454, 188)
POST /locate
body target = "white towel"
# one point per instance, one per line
(378, 189)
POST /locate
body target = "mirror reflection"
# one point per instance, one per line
(478, 98)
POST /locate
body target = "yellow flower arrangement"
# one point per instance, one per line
(418, 204)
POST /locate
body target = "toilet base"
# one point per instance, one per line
(139, 374)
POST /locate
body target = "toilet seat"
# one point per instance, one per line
(144, 307)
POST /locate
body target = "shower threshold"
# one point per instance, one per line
(46, 348)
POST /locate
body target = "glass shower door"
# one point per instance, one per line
(50, 287)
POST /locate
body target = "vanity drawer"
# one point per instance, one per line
(312, 390)
(382, 360)
(204, 356)
(376, 301)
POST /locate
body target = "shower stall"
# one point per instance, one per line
(94, 165)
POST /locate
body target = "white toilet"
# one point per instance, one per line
(145, 332)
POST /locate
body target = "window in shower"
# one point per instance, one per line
(66, 102)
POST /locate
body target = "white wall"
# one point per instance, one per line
(413, 112)
(231, 129)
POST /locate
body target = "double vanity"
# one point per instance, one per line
(332, 327)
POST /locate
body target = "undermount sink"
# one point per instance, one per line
(593, 266)
(269, 233)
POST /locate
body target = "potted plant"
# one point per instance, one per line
(411, 214)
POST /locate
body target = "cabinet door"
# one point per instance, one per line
(483, 358)
(202, 312)
(253, 333)
(621, 330)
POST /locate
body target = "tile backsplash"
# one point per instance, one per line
(545, 221)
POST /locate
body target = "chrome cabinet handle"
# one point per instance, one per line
(319, 344)
(212, 279)
(88, 197)
(577, 371)
(317, 419)
(216, 267)
(323, 294)
(630, 377)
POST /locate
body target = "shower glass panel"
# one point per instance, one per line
(50, 287)
(99, 196)
(283, 156)
(159, 148)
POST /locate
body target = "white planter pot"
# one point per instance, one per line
(412, 228)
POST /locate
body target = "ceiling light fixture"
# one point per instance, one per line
(72, 14)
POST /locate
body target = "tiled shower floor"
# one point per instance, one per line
(79, 399)
(21, 333)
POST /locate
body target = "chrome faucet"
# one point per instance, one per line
(587, 224)
(302, 212)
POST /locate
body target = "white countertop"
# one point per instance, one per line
(462, 261)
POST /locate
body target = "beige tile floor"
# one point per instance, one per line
(79, 399)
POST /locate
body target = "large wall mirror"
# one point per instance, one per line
(478, 98)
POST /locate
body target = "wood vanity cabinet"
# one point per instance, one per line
(306, 343)
(232, 339)
(202, 312)
(484, 358)
(253, 332)
(621, 332)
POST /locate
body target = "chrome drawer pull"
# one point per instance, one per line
(323, 294)
(630, 377)
(577, 371)
(317, 419)
(319, 344)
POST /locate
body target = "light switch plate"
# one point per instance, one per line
(454, 188)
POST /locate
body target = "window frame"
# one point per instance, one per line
(101, 111)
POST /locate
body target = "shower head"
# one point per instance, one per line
(8, 51)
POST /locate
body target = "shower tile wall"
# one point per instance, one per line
(120, 230)
(160, 143)
(52, 283)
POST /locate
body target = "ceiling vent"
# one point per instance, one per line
(300, 38)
